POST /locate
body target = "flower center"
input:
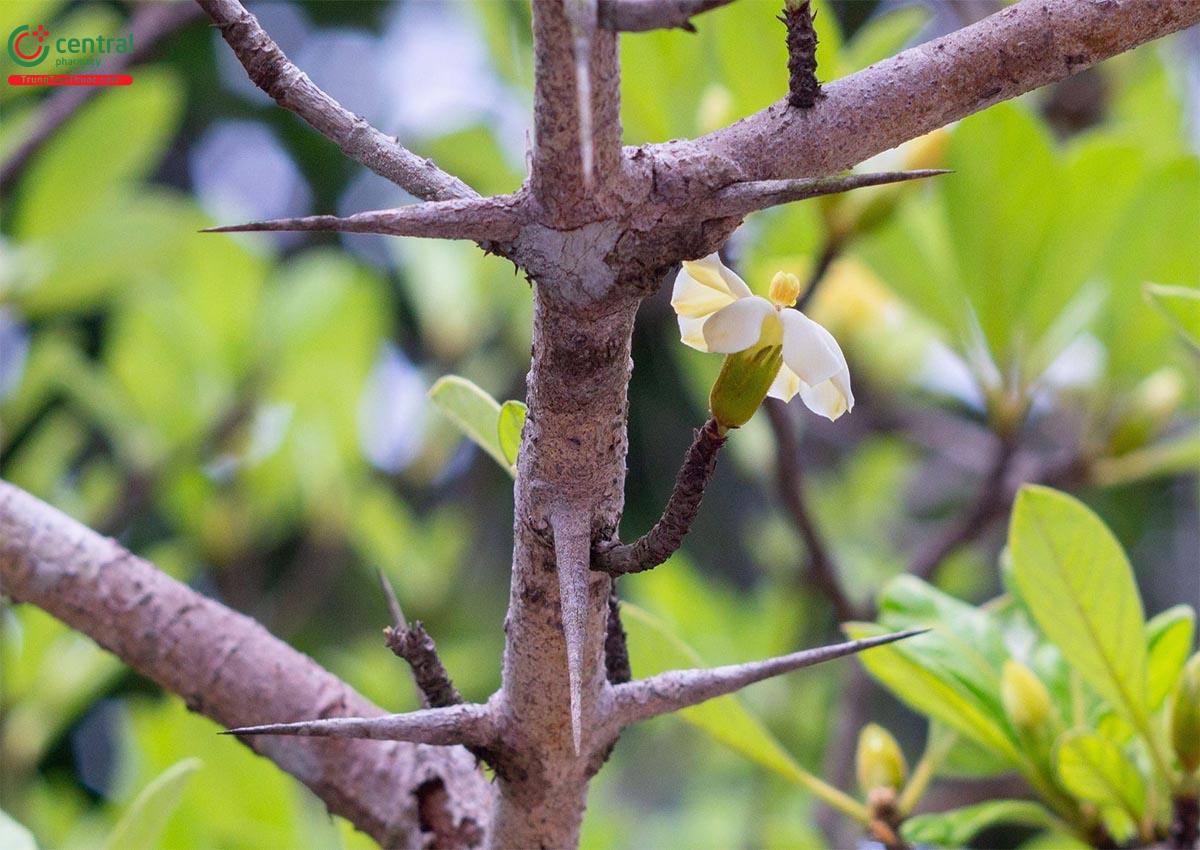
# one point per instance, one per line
(785, 289)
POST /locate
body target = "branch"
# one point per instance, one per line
(804, 89)
(616, 646)
(467, 724)
(270, 69)
(577, 122)
(152, 23)
(646, 15)
(1028, 45)
(665, 538)
(679, 689)
(416, 647)
(224, 665)
(822, 572)
(479, 219)
(743, 198)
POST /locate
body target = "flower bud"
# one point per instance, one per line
(785, 289)
(1185, 717)
(879, 760)
(1151, 405)
(745, 378)
(1025, 699)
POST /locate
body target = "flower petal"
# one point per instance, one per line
(711, 272)
(696, 300)
(691, 332)
(786, 385)
(737, 326)
(829, 398)
(808, 349)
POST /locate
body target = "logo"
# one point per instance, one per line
(26, 47)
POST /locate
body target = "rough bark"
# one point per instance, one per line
(229, 668)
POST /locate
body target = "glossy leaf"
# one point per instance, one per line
(474, 411)
(957, 827)
(147, 816)
(1169, 638)
(1180, 304)
(1078, 585)
(508, 428)
(1094, 769)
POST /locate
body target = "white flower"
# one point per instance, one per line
(719, 313)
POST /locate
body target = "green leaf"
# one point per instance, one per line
(147, 816)
(508, 429)
(13, 836)
(474, 411)
(925, 685)
(1078, 585)
(1175, 456)
(958, 826)
(1169, 638)
(654, 649)
(1094, 769)
(1180, 304)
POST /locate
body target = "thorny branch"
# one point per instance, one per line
(662, 541)
(803, 86)
(467, 724)
(416, 647)
(150, 25)
(646, 15)
(743, 198)
(270, 69)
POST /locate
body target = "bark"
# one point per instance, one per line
(646, 15)
(229, 668)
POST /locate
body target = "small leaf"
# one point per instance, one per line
(147, 816)
(508, 430)
(1093, 768)
(1168, 641)
(1079, 587)
(957, 827)
(1180, 304)
(475, 413)
(13, 836)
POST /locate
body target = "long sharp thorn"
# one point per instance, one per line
(571, 550)
(582, 17)
(393, 604)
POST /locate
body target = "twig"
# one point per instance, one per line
(646, 15)
(150, 25)
(467, 724)
(270, 69)
(222, 663)
(478, 219)
(822, 572)
(616, 647)
(415, 646)
(744, 198)
(669, 692)
(662, 541)
(804, 89)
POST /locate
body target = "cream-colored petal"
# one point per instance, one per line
(691, 332)
(786, 384)
(808, 349)
(829, 398)
(711, 272)
(737, 326)
(695, 299)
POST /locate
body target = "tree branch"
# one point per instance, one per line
(1028, 45)
(416, 647)
(662, 541)
(495, 219)
(224, 665)
(152, 23)
(271, 70)
(616, 646)
(822, 573)
(467, 724)
(744, 198)
(679, 689)
(646, 15)
(577, 121)
(804, 89)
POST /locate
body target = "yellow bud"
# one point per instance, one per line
(879, 760)
(1025, 699)
(743, 383)
(1185, 717)
(785, 289)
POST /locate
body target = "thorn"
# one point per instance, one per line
(571, 554)
(393, 604)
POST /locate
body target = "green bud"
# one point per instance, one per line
(1025, 699)
(879, 760)
(743, 383)
(1185, 717)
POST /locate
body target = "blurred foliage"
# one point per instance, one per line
(252, 414)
